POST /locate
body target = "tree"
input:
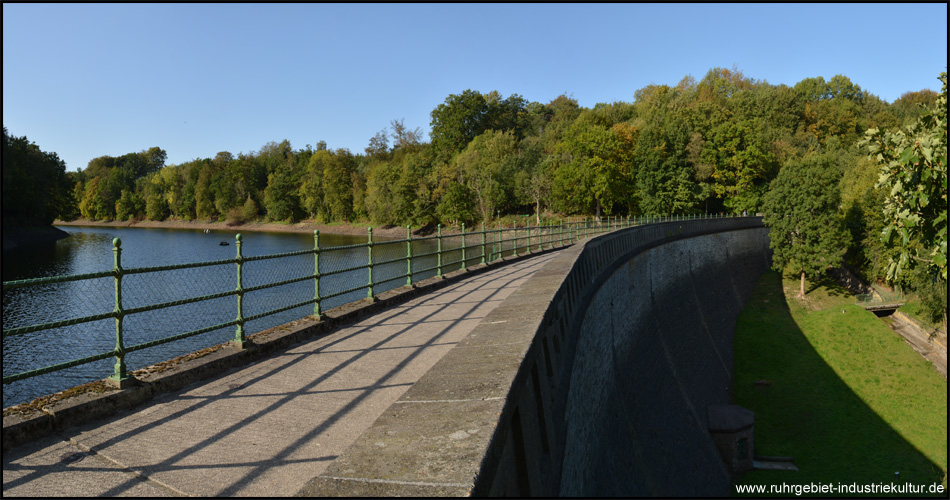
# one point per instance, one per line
(249, 210)
(156, 208)
(338, 185)
(910, 106)
(403, 137)
(594, 168)
(806, 232)
(311, 186)
(533, 181)
(128, 206)
(463, 117)
(457, 206)
(457, 121)
(664, 176)
(35, 186)
(485, 166)
(742, 165)
(913, 171)
(204, 199)
(378, 144)
(281, 194)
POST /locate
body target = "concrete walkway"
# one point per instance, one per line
(268, 428)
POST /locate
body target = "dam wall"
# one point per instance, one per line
(653, 351)
(592, 379)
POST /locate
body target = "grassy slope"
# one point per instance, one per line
(849, 399)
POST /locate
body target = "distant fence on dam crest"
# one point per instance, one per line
(591, 379)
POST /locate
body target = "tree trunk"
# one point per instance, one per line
(801, 292)
(537, 210)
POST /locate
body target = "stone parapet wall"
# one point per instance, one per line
(592, 379)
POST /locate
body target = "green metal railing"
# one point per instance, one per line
(879, 297)
(382, 256)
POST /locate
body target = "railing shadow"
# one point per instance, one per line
(486, 288)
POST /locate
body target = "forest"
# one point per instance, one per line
(716, 145)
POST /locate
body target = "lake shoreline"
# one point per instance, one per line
(357, 229)
(17, 238)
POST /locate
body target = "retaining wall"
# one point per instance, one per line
(592, 379)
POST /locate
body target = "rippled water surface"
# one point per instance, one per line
(90, 250)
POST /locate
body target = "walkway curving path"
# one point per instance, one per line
(267, 428)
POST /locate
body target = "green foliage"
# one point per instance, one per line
(280, 195)
(35, 187)
(665, 183)
(862, 205)
(311, 188)
(486, 166)
(592, 171)
(249, 211)
(457, 206)
(337, 185)
(933, 296)
(129, 206)
(712, 145)
(806, 232)
(108, 179)
(743, 165)
(913, 173)
(204, 198)
(463, 117)
(156, 208)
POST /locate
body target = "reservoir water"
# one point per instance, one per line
(89, 250)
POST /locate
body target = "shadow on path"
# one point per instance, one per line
(266, 428)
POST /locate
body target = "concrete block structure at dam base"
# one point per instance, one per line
(591, 379)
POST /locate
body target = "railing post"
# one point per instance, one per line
(316, 275)
(369, 247)
(494, 242)
(239, 338)
(516, 238)
(483, 242)
(120, 378)
(409, 256)
(438, 253)
(463, 247)
(528, 248)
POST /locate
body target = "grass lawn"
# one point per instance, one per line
(848, 398)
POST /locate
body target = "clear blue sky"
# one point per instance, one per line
(195, 79)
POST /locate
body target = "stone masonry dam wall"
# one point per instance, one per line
(591, 379)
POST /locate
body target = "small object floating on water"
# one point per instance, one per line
(224, 243)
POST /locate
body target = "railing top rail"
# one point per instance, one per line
(547, 235)
(56, 279)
